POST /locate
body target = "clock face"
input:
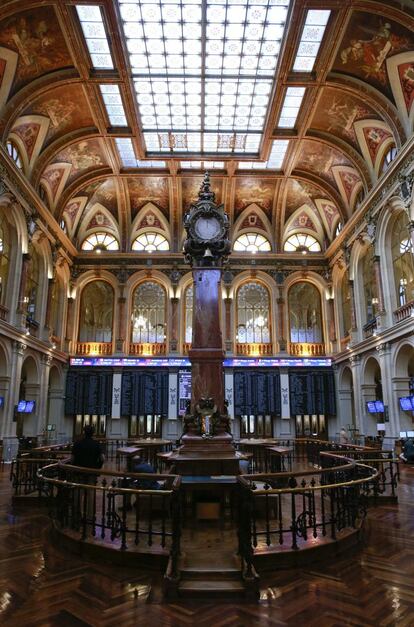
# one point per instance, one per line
(207, 228)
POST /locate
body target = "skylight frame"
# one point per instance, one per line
(311, 38)
(127, 155)
(93, 28)
(114, 106)
(275, 161)
(292, 103)
(202, 165)
(188, 84)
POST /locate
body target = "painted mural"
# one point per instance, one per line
(28, 132)
(72, 209)
(319, 159)
(337, 112)
(252, 221)
(369, 40)
(251, 190)
(37, 38)
(298, 193)
(406, 76)
(190, 187)
(2, 70)
(67, 109)
(150, 220)
(149, 189)
(83, 156)
(105, 194)
(302, 221)
(374, 138)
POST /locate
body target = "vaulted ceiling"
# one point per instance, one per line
(114, 132)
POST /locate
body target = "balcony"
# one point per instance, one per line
(148, 350)
(370, 328)
(307, 349)
(3, 313)
(94, 348)
(186, 348)
(345, 342)
(404, 312)
(254, 349)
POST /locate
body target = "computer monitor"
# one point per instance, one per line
(371, 407)
(30, 405)
(379, 407)
(405, 403)
(21, 406)
(403, 434)
(410, 434)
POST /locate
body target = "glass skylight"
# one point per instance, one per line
(114, 106)
(312, 35)
(291, 105)
(93, 28)
(128, 158)
(275, 161)
(203, 65)
(202, 165)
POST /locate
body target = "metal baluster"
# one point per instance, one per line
(332, 494)
(124, 521)
(292, 484)
(266, 487)
(150, 521)
(280, 516)
(163, 512)
(313, 507)
(104, 493)
(137, 513)
(84, 506)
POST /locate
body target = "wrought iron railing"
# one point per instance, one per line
(281, 508)
(138, 511)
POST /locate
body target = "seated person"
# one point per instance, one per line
(407, 454)
(139, 466)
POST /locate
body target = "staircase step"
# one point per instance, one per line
(213, 573)
(207, 588)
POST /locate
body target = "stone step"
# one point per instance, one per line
(206, 588)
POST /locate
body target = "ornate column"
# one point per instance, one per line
(174, 334)
(228, 340)
(331, 321)
(352, 304)
(70, 324)
(392, 426)
(378, 282)
(50, 285)
(206, 246)
(9, 426)
(21, 305)
(121, 339)
(42, 405)
(355, 363)
(281, 334)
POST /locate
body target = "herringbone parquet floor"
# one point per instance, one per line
(43, 586)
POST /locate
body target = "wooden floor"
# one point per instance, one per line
(42, 586)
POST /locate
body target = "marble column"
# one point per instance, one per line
(42, 405)
(121, 339)
(173, 330)
(355, 363)
(378, 283)
(281, 335)
(21, 305)
(70, 322)
(8, 425)
(228, 340)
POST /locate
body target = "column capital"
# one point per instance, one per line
(19, 347)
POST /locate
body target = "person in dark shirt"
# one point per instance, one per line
(87, 452)
(144, 467)
(408, 451)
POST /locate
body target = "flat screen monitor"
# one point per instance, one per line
(29, 407)
(21, 406)
(379, 407)
(1, 401)
(405, 403)
(410, 434)
(403, 434)
(371, 406)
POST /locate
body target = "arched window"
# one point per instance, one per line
(339, 228)
(96, 312)
(389, 157)
(305, 313)
(302, 243)
(100, 242)
(251, 243)
(369, 285)
(63, 225)
(31, 294)
(56, 307)
(14, 154)
(253, 314)
(360, 197)
(43, 195)
(188, 314)
(345, 305)
(150, 242)
(4, 256)
(402, 260)
(148, 313)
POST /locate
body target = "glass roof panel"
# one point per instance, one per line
(275, 161)
(111, 96)
(93, 28)
(310, 41)
(203, 66)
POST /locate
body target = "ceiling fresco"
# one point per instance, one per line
(317, 142)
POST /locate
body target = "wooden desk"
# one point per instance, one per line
(128, 452)
(150, 447)
(257, 448)
(205, 463)
(277, 457)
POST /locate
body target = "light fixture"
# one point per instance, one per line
(27, 332)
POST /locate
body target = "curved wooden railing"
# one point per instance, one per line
(278, 508)
(115, 508)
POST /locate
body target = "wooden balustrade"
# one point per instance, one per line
(254, 349)
(147, 349)
(94, 348)
(186, 348)
(307, 349)
(370, 328)
(404, 312)
(3, 312)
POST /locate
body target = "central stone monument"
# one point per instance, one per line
(207, 444)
